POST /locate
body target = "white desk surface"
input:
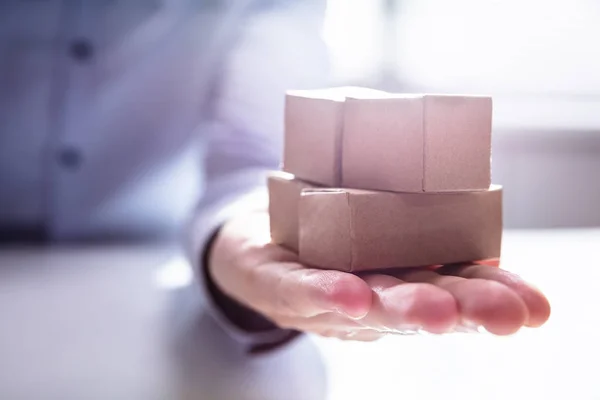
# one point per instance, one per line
(119, 322)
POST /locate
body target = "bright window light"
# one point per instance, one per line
(176, 273)
(353, 32)
(509, 46)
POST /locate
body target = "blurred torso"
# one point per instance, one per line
(100, 105)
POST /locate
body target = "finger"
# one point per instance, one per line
(294, 290)
(360, 336)
(366, 336)
(401, 306)
(537, 303)
(321, 322)
(481, 302)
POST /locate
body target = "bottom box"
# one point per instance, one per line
(355, 230)
(284, 196)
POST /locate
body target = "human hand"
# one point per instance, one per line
(269, 279)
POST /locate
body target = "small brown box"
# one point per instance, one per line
(313, 132)
(355, 230)
(417, 143)
(284, 195)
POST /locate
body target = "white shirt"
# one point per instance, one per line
(124, 118)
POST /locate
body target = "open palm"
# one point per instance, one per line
(270, 280)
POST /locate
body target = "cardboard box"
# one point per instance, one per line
(284, 196)
(417, 143)
(313, 132)
(355, 230)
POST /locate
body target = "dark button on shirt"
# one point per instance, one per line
(81, 50)
(70, 157)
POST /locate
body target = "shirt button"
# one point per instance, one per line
(81, 50)
(70, 158)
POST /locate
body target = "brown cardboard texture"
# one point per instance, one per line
(417, 143)
(284, 195)
(355, 230)
(313, 132)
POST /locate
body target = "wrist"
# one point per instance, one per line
(241, 316)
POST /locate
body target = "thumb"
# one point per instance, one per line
(291, 289)
(269, 278)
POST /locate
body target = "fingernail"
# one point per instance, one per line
(424, 332)
(407, 330)
(348, 315)
(470, 327)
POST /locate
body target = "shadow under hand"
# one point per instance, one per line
(210, 365)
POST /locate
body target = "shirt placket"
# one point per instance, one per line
(76, 46)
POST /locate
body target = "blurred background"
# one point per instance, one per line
(538, 59)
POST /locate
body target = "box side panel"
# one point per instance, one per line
(407, 230)
(457, 146)
(312, 139)
(325, 240)
(284, 197)
(382, 144)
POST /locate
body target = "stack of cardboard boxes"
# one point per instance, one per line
(373, 180)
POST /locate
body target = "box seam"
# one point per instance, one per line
(351, 231)
(423, 140)
(339, 143)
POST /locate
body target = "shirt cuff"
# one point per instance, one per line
(247, 327)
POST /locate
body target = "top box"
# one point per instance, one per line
(375, 140)
(314, 122)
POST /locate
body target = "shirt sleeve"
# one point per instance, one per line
(278, 48)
